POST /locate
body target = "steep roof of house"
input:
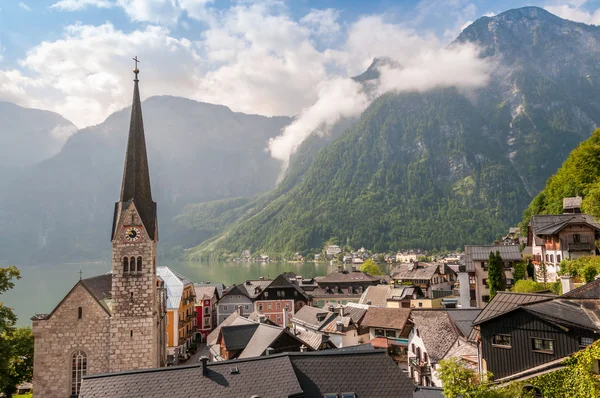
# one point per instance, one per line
(250, 288)
(569, 312)
(307, 374)
(588, 291)
(423, 271)
(331, 327)
(235, 317)
(348, 277)
(135, 187)
(219, 286)
(354, 312)
(550, 224)
(482, 253)
(504, 302)
(463, 319)
(376, 295)
(309, 316)
(311, 339)
(263, 338)
(390, 318)
(437, 330)
(205, 292)
(236, 337)
(428, 392)
(282, 281)
(174, 286)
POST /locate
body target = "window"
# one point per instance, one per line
(330, 396)
(585, 341)
(543, 345)
(295, 293)
(390, 333)
(78, 369)
(125, 265)
(79, 312)
(412, 348)
(420, 304)
(224, 308)
(270, 307)
(266, 294)
(348, 395)
(260, 307)
(485, 298)
(278, 306)
(379, 333)
(278, 318)
(547, 258)
(425, 357)
(502, 340)
(132, 264)
(552, 258)
(576, 238)
(139, 264)
(206, 309)
(484, 282)
(484, 265)
(558, 258)
(417, 331)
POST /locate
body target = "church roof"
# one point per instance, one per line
(136, 176)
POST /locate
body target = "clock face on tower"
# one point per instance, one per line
(132, 234)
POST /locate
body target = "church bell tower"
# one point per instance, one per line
(135, 324)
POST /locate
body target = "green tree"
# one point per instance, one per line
(520, 271)
(496, 275)
(370, 267)
(589, 272)
(381, 258)
(340, 257)
(460, 381)
(16, 345)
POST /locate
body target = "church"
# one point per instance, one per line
(116, 321)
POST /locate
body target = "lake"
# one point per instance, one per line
(42, 287)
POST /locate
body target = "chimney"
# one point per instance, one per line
(339, 326)
(354, 268)
(368, 302)
(248, 283)
(269, 351)
(341, 268)
(204, 360)
(567, 283)
(341, 311)
(262, 318)
(240, 311)
(303, 348)
(331, 308)
(261, 278)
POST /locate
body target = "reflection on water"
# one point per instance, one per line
(41, 288)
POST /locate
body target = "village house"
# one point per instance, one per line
(435, 279)
(552, 238)
(473, 276)
(390, 296)
(406, 257)
(512, 238)
(527, 334)
(240, 295)
(181, 313)
(389, 329)
(207, 296)
(341, 286)
(117, 321)
(279, 300)
(436, 336)
(294, 374)
(332, 251)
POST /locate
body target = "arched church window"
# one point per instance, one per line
(139, 264)
(132, 264)
(78, 370)
(125, 265)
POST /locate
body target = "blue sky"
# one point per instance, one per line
(268, 57)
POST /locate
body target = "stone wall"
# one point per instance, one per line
(62, 334)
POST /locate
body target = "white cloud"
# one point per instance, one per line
(574, 11)
(159, 11)
(24, 6)
(76, 5)
(323, 23)
(86, 76)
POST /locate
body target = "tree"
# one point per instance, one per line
(496, 275)
(520, 271)
(16, 345)
(460, 381)
(541, 274)
(589, 272)
(340, 257)
(530, 269)
(371, 268)
(531, 286)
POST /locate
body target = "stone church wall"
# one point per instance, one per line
(57, 338)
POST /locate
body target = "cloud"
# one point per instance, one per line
(24, 6)
(323, 23)
(76, 5)
(574, 11)
(86, 75)
(156, 11)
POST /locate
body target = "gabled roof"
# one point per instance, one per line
(237, 337)
(135, 187)
(309, 316)
(354, 312)
(234, 318)
(205, 292)
(219, 286)
(463, 319)
(588, 291)
(566, 312)
(422, 271)
(348, 277)
(174, 286)
(283, 282)
(390, 318)
(264, 336)
(504, 302)
(311, 339)
(482, 253)
(550, 224)
(376, 295)
(250, 288)
(299, 374)
(437, 330)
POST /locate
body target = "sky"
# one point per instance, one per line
(268, 57)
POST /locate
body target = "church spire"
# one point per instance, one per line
(136, 176)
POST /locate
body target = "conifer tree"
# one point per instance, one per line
(496, 276)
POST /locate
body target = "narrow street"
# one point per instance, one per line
(194, 359)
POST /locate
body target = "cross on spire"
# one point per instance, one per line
(80, 274)
(136, 70)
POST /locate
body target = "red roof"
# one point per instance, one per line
(380, 342)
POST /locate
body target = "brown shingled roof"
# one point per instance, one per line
(390, 318)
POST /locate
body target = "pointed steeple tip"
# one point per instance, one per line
(136, 71)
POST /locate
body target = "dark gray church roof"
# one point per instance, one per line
(136, 175)
(308, 374)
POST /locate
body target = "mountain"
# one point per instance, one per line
(28, 137)
(61, 208)
(439, 170)
(579, 175)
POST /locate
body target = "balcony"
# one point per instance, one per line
(580, 247)
(192, 315)
(422, 368)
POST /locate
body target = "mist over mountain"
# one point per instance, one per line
(446, 167)
(61, 208)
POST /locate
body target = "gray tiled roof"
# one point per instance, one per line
(311, 339)
(307, 316)
(463, 318)
(428, 392)
(588, 291)
(309, 374)
(263, 338)
(236, 337)
(349, 277)
(482, 253)
(437, 331)
(423, 271)
(504, 302)
(100, 287)
(566, 311)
